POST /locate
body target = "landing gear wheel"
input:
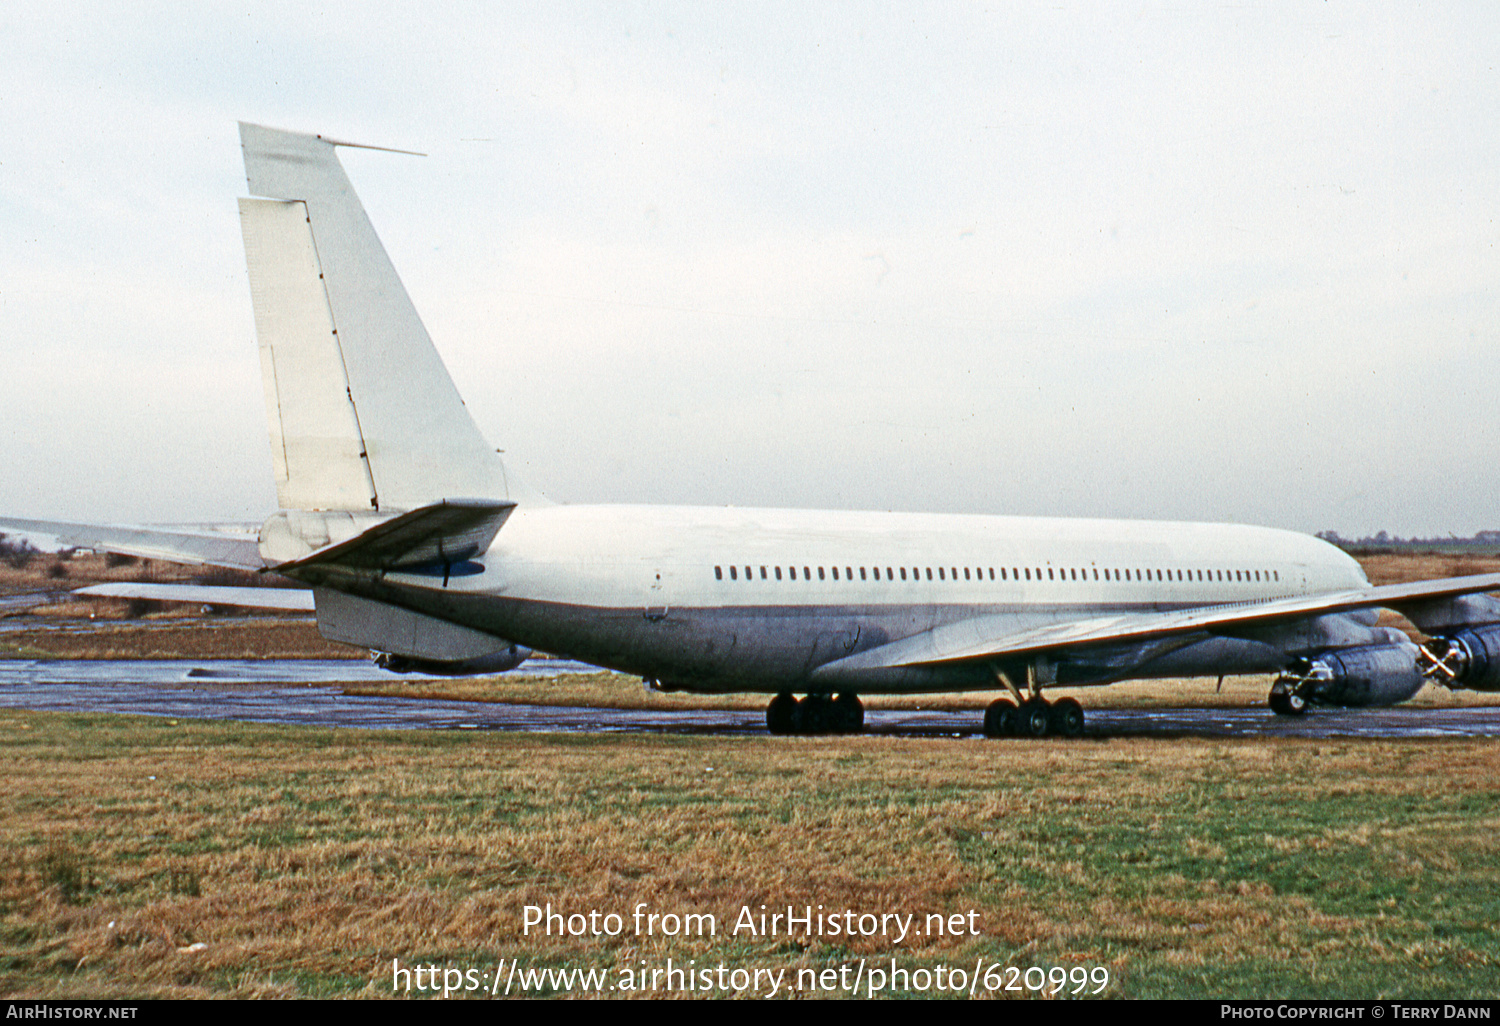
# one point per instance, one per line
(1287, 703)
(815, 715)
(781, 714)
(1066, 718)
(848, 714)
(1032, 717)
(1000, 718)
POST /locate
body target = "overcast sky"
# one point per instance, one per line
(1145, 260)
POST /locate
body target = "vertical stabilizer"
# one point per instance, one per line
(362, 411)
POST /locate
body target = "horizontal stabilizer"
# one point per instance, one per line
(294, 599)
(994, 636)
(443, 533)
(234, 546)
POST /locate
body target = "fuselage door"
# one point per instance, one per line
(657, 603)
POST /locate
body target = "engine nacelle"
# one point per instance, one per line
(496, 662)
(1381, 674)
(1466, 659)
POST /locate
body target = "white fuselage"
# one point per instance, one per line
(757, 599)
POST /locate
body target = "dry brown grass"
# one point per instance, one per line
(1401, 568)
(618, 691)
(208, 638)
(305, 860)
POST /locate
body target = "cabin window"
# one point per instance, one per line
(966, 573)
(806, 573)
(835, 573)
(732, 575)
(942, 576)
(820, 574)
(1028, 573)
(778, 573)
(903, 573)
(862, 576)
(1277, 574)
(763, 573)
(718, 573)
(849, 572)
(748, 575)
(992, 573)
(890, 574)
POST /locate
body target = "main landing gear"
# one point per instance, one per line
(816, 714)
(1035, 717)
(1031, 715)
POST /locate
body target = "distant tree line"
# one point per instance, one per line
(1385, 540)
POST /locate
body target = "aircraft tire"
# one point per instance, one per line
(1000, 718)
(1287, 703)
(848, 713)
(1032, 718)
(815, 715)
(781, 714)
(1066, 718)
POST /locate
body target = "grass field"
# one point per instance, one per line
(305, 860)
(148, 857)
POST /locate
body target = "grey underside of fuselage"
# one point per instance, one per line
(772, 649)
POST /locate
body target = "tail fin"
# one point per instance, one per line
(362, 412)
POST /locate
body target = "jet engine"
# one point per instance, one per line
(1466, 659)
(1382, 674)
(496, 662)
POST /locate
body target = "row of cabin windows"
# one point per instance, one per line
(1014, 574)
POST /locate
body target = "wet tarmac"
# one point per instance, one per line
(309, 692)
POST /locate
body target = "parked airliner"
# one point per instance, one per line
(422, 545)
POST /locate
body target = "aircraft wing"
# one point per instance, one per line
(232, 546)
(993, 636)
